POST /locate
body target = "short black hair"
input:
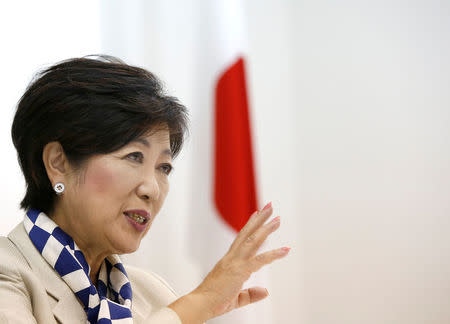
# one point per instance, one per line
(91, 105)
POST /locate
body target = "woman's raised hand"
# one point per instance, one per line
(221, 291)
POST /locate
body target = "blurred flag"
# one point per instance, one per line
(224, 173)
(234, 178)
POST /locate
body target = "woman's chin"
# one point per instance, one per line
(126, 245)
(129, 240)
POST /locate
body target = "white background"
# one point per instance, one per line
(351, 109)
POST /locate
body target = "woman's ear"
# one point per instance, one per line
(55, 162)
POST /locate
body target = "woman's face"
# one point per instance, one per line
(111, 204)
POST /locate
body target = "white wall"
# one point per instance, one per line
(372, 120)
(351, 108)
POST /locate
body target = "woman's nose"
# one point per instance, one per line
(149, 188)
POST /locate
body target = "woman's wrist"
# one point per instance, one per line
(192, 308)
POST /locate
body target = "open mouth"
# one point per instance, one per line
(137, 218)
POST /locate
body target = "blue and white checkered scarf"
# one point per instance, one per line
(111, 302)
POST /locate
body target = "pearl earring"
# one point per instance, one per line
(59, 188)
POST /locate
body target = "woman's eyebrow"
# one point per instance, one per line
(143, 141)
(167, 152)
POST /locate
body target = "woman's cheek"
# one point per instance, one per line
(164, 187)
(102, 178)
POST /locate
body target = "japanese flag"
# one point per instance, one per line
(224, 183)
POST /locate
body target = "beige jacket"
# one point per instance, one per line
(32, 292)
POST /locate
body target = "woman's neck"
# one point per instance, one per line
(94, 257)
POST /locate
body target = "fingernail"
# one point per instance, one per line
(267, 292)
(267, 206)
(276, 219)
(284, 251)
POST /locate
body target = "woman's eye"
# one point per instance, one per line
(136, 156)
(166, 168)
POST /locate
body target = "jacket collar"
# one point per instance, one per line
(67, 305)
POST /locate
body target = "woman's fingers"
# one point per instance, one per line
(254, 241)
(256, 221)
(251, 295)
(268, 257)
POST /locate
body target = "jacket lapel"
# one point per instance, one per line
(140, 307)
(68, 308)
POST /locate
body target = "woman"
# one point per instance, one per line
(95, 140)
